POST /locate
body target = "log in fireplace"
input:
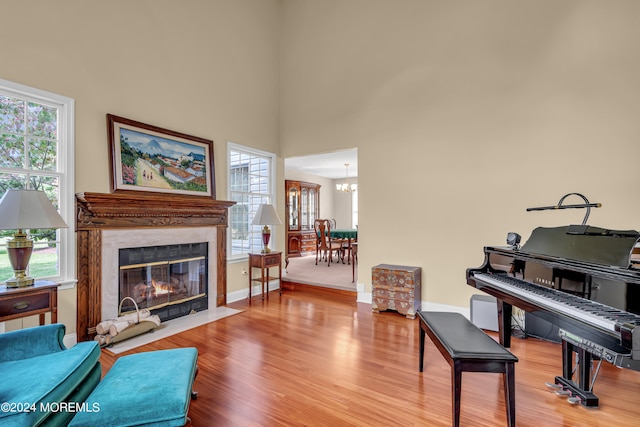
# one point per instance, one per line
(131, 210)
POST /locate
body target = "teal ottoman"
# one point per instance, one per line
(143, 389)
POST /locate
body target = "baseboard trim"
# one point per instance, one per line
(255, 290)
(367, 298)
(361, 296)
(70, 340)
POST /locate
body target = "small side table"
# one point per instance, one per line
(264, 261)
(40, 298)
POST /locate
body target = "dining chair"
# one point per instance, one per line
(344, 242)
(324, 244)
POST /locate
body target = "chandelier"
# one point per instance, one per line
(345, 186)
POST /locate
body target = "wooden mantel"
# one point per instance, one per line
(133, 209)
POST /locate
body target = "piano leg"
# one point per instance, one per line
(584, 372)
(583, 388)
(504, 322)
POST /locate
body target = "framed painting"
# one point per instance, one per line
(149, 158)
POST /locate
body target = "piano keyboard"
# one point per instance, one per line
(591, 312)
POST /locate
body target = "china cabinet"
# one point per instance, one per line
(302, 209)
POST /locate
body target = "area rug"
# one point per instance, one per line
(173, 327)
(304, 270)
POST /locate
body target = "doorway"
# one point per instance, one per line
(327, 170)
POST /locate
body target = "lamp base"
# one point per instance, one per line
(266, 236)
(19, 250)
(19, 282)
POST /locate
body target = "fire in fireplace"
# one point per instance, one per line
(169, 280)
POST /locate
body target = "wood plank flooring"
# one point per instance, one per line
(314, 357)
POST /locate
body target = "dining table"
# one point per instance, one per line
(348, 234)
(345, 233)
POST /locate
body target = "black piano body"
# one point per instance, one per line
(581, 278)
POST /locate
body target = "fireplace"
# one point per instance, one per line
(169, 280)
(108, 222)
(140, 252)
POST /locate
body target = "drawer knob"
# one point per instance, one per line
(21, 305)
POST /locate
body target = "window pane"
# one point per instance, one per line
(42, 121)
(6, 272)
(12, 180)
(42, 154)
(44, 260)
(46, 183)
(12, 115)
(354, 209)
(11, 150)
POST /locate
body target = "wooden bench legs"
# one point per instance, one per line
(468, 349)
(508, 376)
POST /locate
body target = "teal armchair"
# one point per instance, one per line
(37, 372)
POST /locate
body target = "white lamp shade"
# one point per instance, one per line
(25, 209)
(266, 215)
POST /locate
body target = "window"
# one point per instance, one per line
(354, 209)
(36, 152)
(251, 183)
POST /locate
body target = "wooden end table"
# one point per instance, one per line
(39, 299)
(264, 261)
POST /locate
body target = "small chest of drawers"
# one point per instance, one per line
(397, 287)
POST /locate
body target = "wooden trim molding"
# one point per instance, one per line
(98, 211)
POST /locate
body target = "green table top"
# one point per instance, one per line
(344, 233)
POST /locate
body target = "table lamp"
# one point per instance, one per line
(22, 210)
(266, 216)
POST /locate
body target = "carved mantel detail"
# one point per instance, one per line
(98, 211)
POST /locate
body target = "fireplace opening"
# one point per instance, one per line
(169, 280)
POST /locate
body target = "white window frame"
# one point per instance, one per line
(268, 198)
(66, 172)
(354, 209)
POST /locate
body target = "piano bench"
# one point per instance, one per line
(467, 348)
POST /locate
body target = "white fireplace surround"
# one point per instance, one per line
(115, 239)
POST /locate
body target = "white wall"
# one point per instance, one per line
(465, 113)
(208, 68)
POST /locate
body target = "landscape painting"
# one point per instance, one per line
(149, 158)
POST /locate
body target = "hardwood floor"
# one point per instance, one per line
(317, 358)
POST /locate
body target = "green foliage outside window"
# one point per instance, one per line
(28, 159)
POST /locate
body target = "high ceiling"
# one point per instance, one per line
(328, 165)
